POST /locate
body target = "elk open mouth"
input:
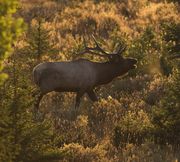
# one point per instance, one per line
(134, 66)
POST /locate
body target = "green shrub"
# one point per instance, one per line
(166, 114)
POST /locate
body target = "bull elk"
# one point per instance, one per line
(82, 75)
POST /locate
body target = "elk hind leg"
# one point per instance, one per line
(92, 95)
(78, 98)
(37, 101)
(37, 115)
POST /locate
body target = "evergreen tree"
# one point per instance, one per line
(171, 38)
(39, 40)
(166, 116)
(10, 29)
(21, 139)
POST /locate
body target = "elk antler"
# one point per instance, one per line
(92, 50)
(121, 49)
(98, 48)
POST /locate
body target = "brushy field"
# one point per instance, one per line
(137, 117)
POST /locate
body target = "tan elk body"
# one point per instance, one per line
(81, 76)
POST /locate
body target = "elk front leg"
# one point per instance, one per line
(35, 92)
(37, 115)
(92, 95)
(78, 98)
(37, 101)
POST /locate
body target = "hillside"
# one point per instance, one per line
(137, 116)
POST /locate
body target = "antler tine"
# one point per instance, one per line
(85, 46)
(90, 50)
(121, 49)
(97, 46)
(84, 42)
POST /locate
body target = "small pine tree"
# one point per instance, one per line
(170, 36)
(171, 32)
(166, 116)
(39, 41)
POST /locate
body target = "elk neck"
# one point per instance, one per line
(106, 72)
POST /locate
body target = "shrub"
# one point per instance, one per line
(78, 153)
(131, 129)
(155, 90)
(103, 116)
(166, 113)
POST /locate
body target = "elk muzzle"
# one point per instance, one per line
(133, 63)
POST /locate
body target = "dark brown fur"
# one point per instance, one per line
(92, 74)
